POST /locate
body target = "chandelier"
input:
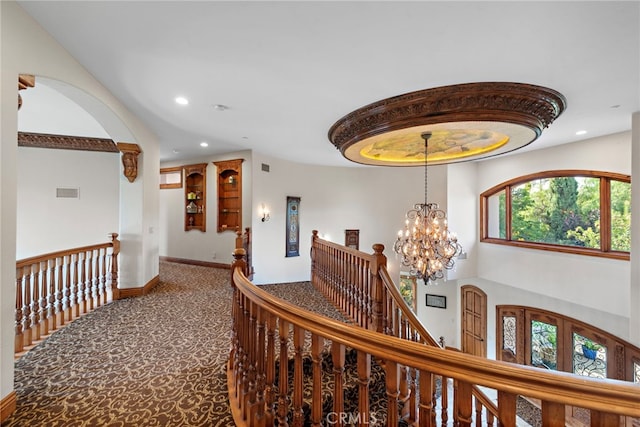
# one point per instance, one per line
(426, 245)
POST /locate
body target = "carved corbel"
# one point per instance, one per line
(25, 81)
(130, 154)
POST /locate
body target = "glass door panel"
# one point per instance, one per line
(544, 345)
(589, 357)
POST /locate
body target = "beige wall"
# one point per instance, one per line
(27, 48)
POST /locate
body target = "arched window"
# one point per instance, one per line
(574, 211)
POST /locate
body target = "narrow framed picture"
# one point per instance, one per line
(438, 301)
(293, 226)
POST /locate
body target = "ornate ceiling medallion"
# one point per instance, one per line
(467, 122)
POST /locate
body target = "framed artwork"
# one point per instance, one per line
(352, 239)
(438, 301)
(293, 227)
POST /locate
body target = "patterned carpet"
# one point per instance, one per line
(156, 360)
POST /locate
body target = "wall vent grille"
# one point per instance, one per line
(67, 193)
(265, 167)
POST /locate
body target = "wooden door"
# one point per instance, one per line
(474, 321)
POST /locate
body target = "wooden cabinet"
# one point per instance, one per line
(229, 175)
(195, 197)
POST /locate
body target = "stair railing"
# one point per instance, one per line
(268, 386)
(344, 274)
(58, 287)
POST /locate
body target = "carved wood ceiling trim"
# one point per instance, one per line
(523, 107)
(66, 142)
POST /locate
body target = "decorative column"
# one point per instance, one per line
(130, 154)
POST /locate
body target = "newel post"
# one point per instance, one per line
(312, 252)
(115, 245)
(379, 261)
(238, 262)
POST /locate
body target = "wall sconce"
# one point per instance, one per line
(264, 212)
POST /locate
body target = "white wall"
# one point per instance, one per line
(370, 199)
(46, 223)
(27, 48)
(209, 246)
(592, 289)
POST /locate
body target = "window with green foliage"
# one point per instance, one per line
(569, 211)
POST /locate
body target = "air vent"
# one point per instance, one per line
(265, 167)
(67, 193)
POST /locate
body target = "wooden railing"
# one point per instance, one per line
(267, 388)
(244, 241)
(357, 283)
(55, 288)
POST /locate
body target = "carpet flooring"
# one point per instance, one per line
(156, 360)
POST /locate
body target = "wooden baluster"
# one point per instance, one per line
(35, 303)
(553, 414)
(364, 377)
(463, 404)
(270, 372)
(490, 418)
(316, 362)
(19, 319)
(337, 355)
(103, 276)
(52, 294)
(604, 419)
(507, 409)
(250, 397)
(478, 406)
(444, 400)
(392, 372)
(283, 386)
(244, 349)
(66, 289)
(59, 304)
(298, 385)
(426, 413)
(74, 288)
(26, 308)
(82, 282)
(260, 370)
(44, 291)
(113, 271)
(89, 283)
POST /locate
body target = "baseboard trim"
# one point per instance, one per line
(8, 405)
(138, 292)
(195, 262)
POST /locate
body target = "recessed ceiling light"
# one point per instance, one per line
(581, 132)
(204, 144)
(182, 100)
(220, 107)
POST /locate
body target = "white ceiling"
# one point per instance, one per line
(289, 70)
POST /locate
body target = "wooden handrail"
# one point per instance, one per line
(253, 307)
(55, 288)
(407, 312)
